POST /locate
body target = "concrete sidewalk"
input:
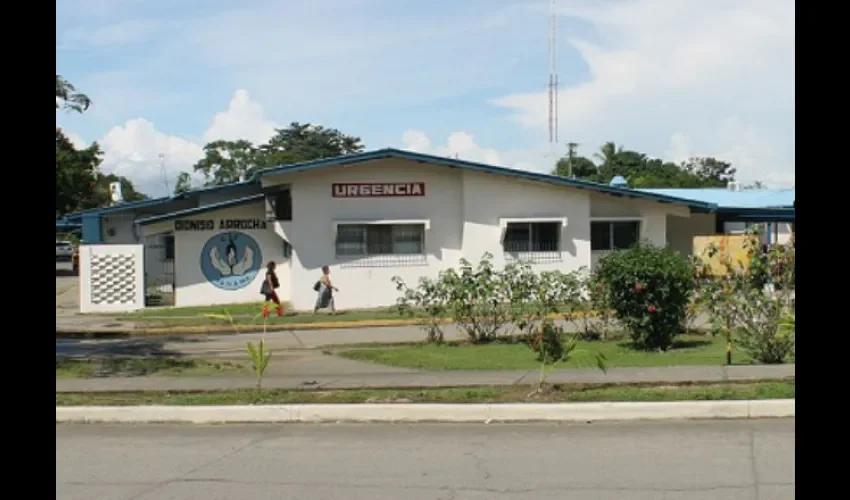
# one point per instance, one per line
(671, 375)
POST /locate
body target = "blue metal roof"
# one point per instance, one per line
(117, 208)
(64, 224)
(726, 198)
(159, 201)
(199, 210)
(481, 167)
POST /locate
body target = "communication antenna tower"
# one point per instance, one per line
(164, 173)
(553, 75)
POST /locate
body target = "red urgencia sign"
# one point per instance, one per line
(378, 189)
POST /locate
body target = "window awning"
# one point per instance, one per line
(503, 223)
(383, 222)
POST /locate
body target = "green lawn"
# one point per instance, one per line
(701, 392)
(689, 350)
(245, 314)
(138, 367)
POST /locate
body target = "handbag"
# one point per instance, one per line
(317, 286)
(265, 289)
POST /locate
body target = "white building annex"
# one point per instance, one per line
(386, 213)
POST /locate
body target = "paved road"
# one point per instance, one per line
(713, 460)
(67, 292)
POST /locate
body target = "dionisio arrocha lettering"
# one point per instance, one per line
(223, 224)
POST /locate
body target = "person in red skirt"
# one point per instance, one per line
(270, 284)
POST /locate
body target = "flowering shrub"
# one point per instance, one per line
(428, 302)
(649, 289)
(485, 302)
(754, 304)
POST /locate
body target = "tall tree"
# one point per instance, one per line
(711, 171)
(608, 152)
(71, 100)
(573, 165)
(184, 183)
(225, 162)
(76, 175)
(300, 142)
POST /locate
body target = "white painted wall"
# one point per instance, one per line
(463, 207)
(364, 282)
(653, 217)
(194, 289)
(488, 198)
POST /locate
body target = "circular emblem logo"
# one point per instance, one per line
(231, 261)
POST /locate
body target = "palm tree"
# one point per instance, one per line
(607, 152)
(71, 99)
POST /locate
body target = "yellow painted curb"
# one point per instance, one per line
(271, 327)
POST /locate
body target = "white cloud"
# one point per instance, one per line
(243, 120)
(462, 145)
(459, 145)
(670, 69)
(133, 149)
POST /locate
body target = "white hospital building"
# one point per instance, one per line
(385, 213)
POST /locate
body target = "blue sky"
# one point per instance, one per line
(464, 77)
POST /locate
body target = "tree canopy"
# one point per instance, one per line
(225, 162)
(643, 171)
(79, 183)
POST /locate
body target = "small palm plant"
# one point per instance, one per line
(259, 361)
(554, 346)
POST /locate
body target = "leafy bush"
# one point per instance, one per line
(484, 301)
(592, 315)
(535, 297)
(428, 302)
(548, 344)
(754, 304)
(649, 289)
(478, 299)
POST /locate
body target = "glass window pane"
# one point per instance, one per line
(517, 237)
(379, 239)
(626, 234)
(408, 239)
(351, 240)
(545, 236)
(600, 236)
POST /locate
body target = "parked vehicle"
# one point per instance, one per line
(64, 251)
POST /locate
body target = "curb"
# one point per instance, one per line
(453, 413)
(115, 332)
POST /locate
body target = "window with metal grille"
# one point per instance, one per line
(533, 241)
(363, 240)
(168, 243)
(614, 235)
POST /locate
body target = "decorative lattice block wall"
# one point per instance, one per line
(111, 278)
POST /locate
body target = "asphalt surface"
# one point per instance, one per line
(711, 460)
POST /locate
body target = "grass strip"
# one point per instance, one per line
(690, 350)
(768, 389)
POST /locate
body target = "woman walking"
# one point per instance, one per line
(326, 291)
(270, 284)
